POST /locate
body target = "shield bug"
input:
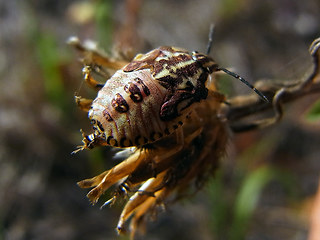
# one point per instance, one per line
(148, 98)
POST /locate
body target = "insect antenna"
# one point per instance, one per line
(263, 97)
(210, 39)
(209, 45)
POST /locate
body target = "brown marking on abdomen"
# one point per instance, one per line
(119, 103)
(134, 91)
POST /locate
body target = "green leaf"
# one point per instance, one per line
(220, 207)
(48, 59)
(314, 113)
(247, 199)
(104, 21)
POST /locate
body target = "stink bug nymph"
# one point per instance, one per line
(148, 98)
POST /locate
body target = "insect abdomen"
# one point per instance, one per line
(127, 109)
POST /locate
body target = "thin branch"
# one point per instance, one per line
(244, 106)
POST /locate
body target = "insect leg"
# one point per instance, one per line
(91, 55)
(92, 140)
(83, 103)
(86, 71)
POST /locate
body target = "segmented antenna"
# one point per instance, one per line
(210, 41)
(263, 97)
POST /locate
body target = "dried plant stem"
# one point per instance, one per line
(287, 91)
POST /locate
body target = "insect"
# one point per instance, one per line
(163, 109)
(150, 97)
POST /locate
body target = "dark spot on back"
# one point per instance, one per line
(144, 87)
(134, 91)
(107, 115)
(119, 103)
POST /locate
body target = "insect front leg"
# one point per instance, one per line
(86, 71)
(90, 141)
(93, 56)
(83, 103)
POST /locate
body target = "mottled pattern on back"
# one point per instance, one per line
(150, 97)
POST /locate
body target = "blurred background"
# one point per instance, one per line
(266, 185)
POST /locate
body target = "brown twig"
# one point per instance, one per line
(126, 37)
(244, 106)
